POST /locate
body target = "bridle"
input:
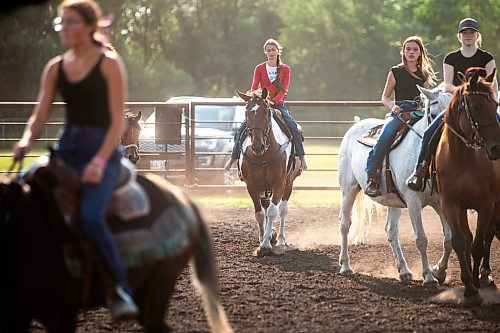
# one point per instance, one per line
(477, 141)
(266, 130)
(134, 127)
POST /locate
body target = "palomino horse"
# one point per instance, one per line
(43, 272)
(130, 138)
(352, 179)
(265, 154)
(468, 176)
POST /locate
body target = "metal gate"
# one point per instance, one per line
(176, 136)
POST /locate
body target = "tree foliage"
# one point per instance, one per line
(338, 49)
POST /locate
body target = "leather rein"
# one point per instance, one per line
(266, 132)
(477, 141)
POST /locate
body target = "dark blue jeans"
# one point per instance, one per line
(291, 123)
(76, 147)
(387, 136)
(434, 129)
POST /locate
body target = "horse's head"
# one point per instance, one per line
(436, 100)
(12, 207)
(63, 182)
(130, 138)
(476, 116)
(258, 114)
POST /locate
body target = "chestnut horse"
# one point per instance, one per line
(468, 176)
(46, 277)
(265, 154)
(130, 138)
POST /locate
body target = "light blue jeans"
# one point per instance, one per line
(77, 145)
(387, 136)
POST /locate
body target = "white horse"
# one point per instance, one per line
(352, 179)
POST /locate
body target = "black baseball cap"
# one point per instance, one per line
(468, 23)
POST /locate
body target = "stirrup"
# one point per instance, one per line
(372, 190)
(416, 183)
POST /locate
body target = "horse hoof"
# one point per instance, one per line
(473, 300)
(408, 277)
(487, 282)
(431, 284)
(346, 271)
(263, 252)
(439, 275)
(281, 243)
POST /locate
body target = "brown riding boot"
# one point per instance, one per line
(373, 184)
(416, 182)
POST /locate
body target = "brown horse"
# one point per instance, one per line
(264, 158)
(47, 276)
(130, 138)
(468, 176)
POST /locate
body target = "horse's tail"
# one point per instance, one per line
(205, 278)
(362, 216)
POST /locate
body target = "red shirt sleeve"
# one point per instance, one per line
(256, 79)
(285, 80)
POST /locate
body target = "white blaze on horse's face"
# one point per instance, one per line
(255, 108)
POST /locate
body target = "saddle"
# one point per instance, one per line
(129, 199)
(369, 137)
(288, 132)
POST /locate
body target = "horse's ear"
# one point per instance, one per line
(431, 95)
(490, 77)
(244, 97)
(53, 153)
(138, 116)
(473, 80)
(265, 93)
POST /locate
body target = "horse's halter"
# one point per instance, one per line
(266, 130)
(133, 128)
(477, 141)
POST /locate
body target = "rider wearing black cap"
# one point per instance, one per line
(454, 67)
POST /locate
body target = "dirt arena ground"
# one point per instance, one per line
(302, 291)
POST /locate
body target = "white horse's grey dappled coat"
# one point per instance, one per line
(352, 180)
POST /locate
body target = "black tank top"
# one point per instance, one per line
(461, 63)
(405, 87)
(87, 99)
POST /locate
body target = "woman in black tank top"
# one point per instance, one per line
(92, 81)
(415, 69)
(455, 64)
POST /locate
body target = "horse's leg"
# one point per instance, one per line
(415, 211)
(283, 208)
(154, 294)
(455, 218)
(440, 269)
(271, 213)
(392, 232)
(467, 233)
(485, 278)
(483, 231)
(349, 192)
(259, 213)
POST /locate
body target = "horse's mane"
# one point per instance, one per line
(480, 86)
